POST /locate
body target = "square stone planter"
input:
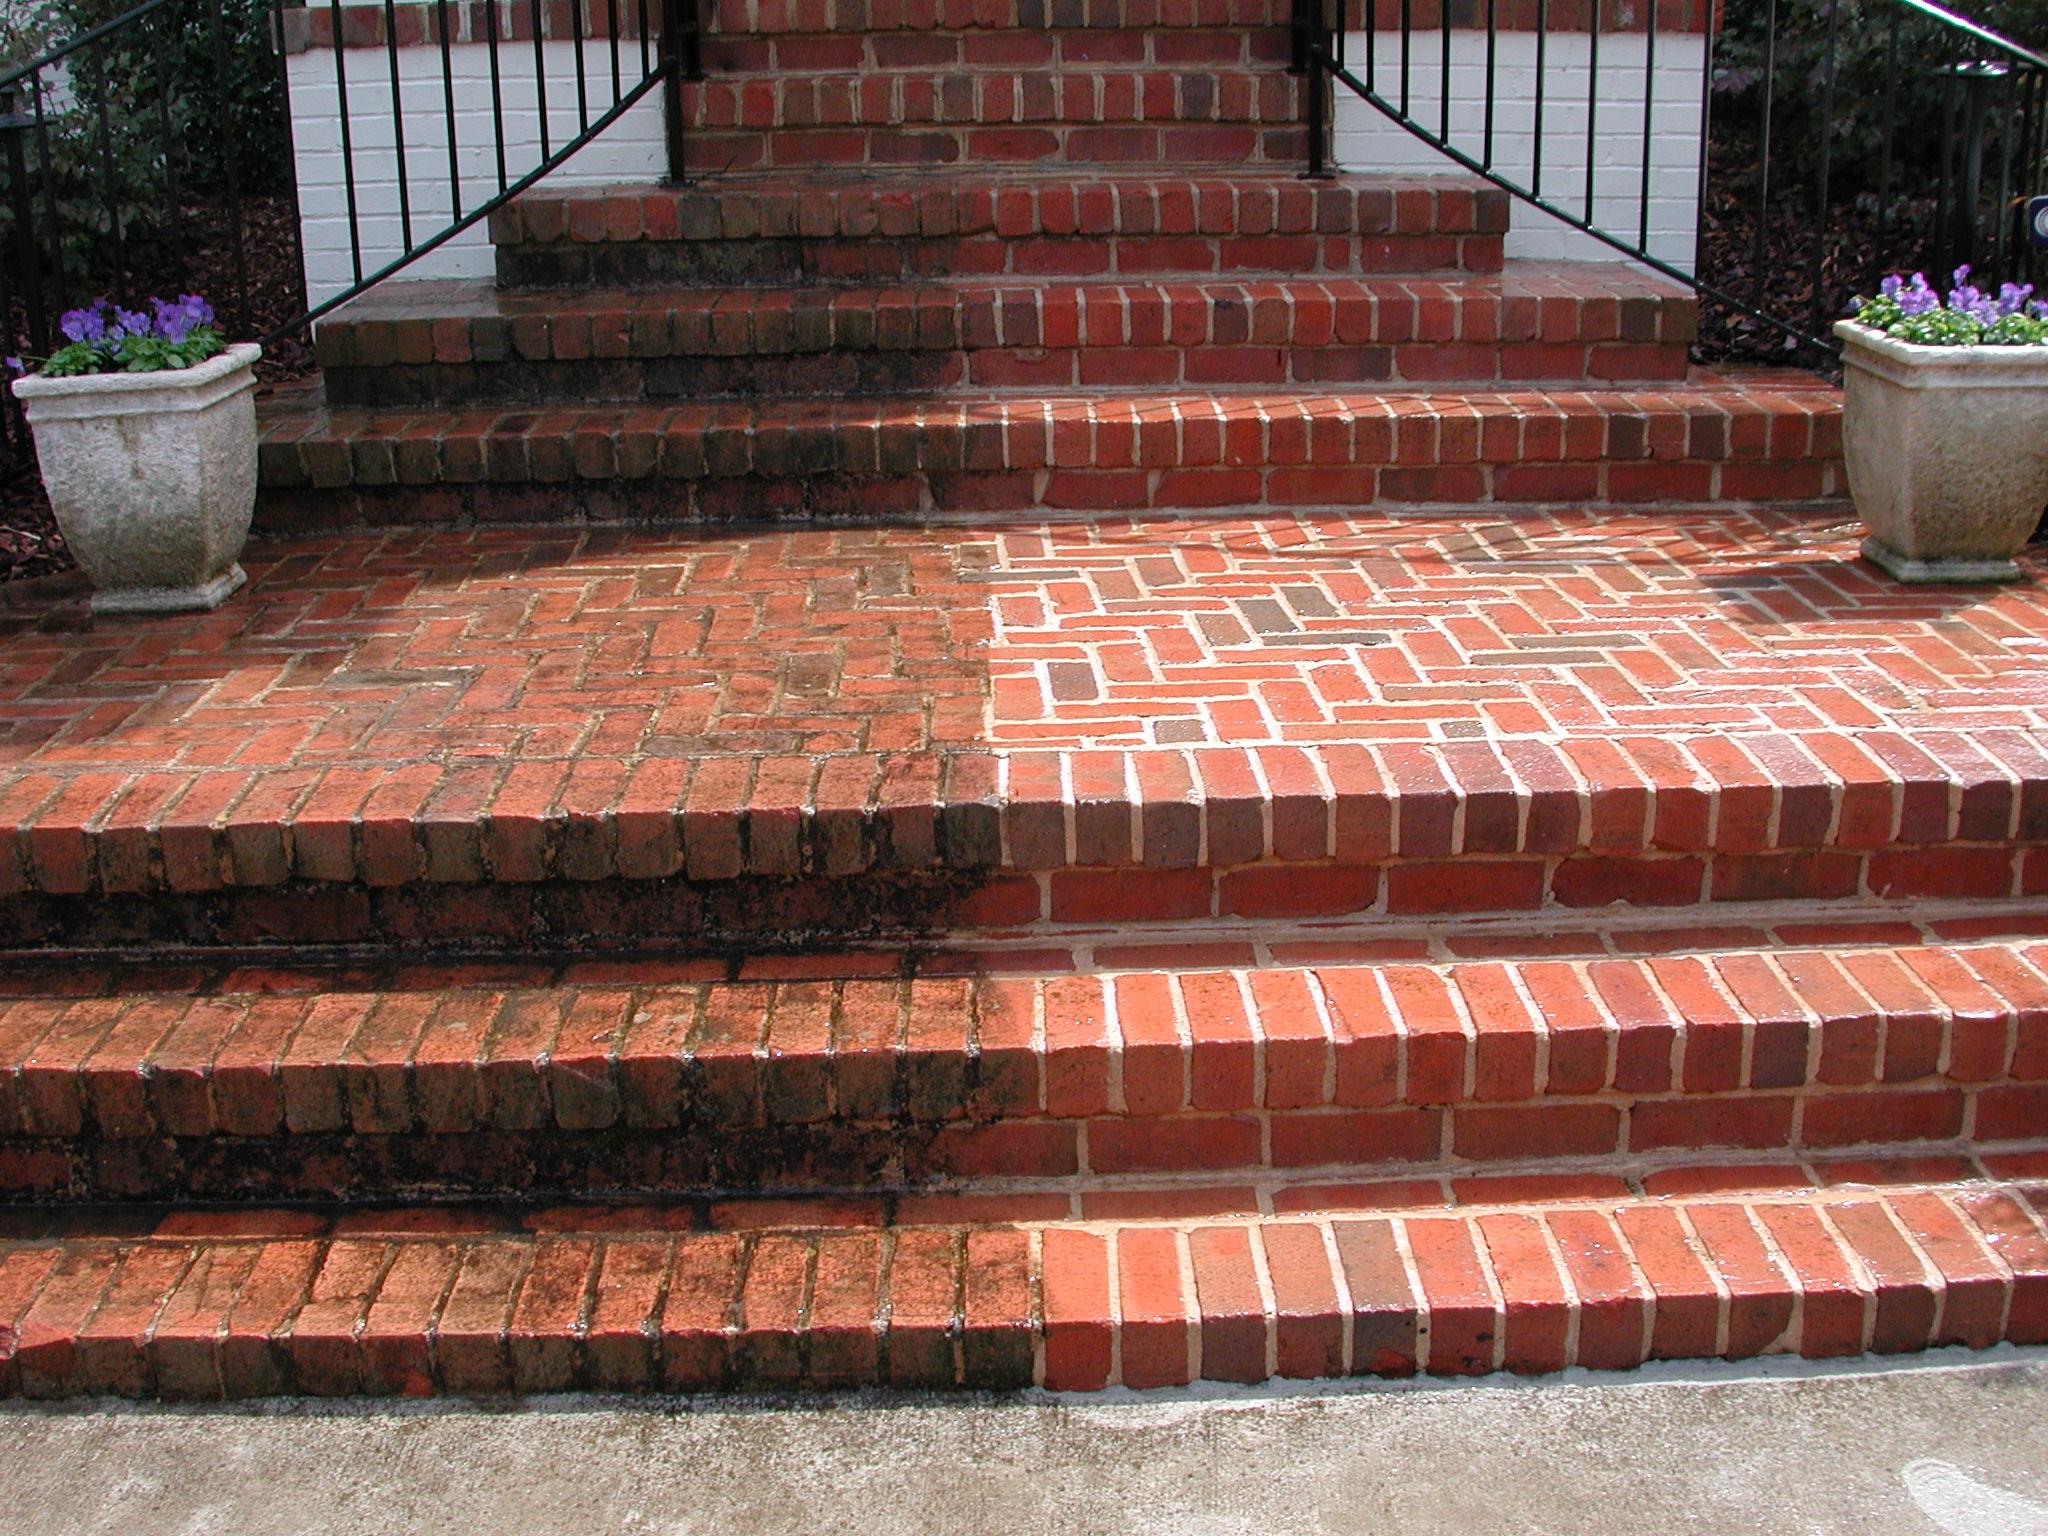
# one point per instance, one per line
(152, 477)
(1947, 453)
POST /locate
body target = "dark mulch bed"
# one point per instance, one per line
(30, 544)
(203, 262)
(1847, 252)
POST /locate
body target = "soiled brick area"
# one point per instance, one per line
(521, 644)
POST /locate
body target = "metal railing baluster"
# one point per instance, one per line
(397, 123)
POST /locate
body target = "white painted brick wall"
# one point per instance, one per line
(630, 150)
(1367, 139)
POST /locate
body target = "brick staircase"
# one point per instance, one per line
(1505, 892)
(1006, 259)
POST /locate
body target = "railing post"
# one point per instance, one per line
(682, 58)
(1978, 76)
(1315, 61)
(28, 260)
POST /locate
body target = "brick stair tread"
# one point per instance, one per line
(1013, 201)
(1328, 1052)
(420, 1301)
(424, 735)
(453, 321)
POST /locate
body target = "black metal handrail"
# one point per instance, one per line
(1787, 229)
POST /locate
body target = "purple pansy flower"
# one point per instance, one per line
(83, 325)
(1916, 297)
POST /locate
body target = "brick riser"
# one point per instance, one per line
(1079, 43)
(555, 496)
(994, 117)
(761, 263)
(610, 913)
(260, 1304)
(1006, 454)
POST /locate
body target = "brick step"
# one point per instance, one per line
(1762, 438)
(466, 343)
(714, 851)
(642, 1077)
(1097, 116)
(207, 1304)
(902, 224)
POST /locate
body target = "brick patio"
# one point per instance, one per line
(1429, 627)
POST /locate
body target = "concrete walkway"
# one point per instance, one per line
(1952, 1442)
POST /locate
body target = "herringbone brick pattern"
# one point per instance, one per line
(1428, 627)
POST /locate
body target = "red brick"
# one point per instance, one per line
(2020, 1244)
(1613, 1308)
(999, 1315)
(923, 1291)
(546, 1330)
(1464, 1318)
(1904, 1302)
(698, 1313)
(1233, 1313)
(1307, 1321)
(1079, 1332)
(1686, 1306)
(843, 1328)
(1385, 1310)
(1833, 1304)
(1537, 1306)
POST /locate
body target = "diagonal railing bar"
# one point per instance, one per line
(558, 156)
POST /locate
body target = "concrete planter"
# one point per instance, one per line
(1947, 453)
(152, 477)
